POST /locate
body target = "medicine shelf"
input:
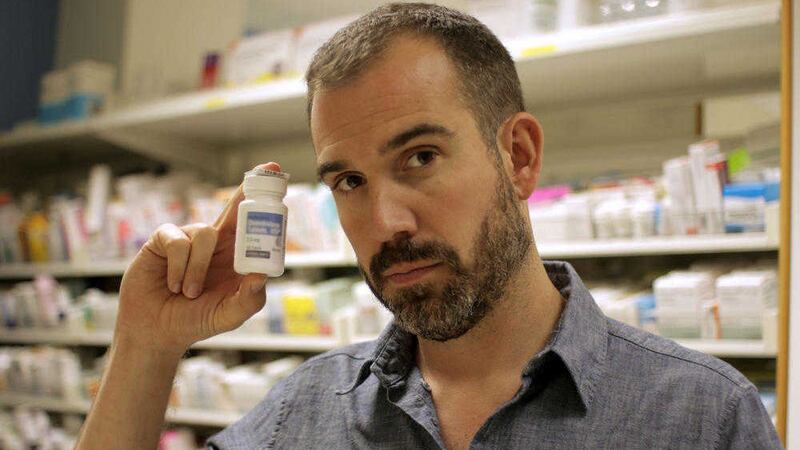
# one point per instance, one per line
(727, 348)
(660, 245)
(115, 268)
(663, 245)
(228, 341)
(679, 52)
(189, 416)
(730, 348)
(63, 269)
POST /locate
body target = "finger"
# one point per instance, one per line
(173, 244)
(226, 222)
(204, 241)
(248, 300)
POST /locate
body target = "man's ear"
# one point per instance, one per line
(520, 142)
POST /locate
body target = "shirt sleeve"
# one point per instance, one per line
(260, 427)
(747, 424)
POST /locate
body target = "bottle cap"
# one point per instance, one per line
(265, 181)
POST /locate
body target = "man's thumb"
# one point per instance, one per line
(248, 300)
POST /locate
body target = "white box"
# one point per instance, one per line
(260, 58)
(683, 290)
(747, 292)
(309, 38)
(91, 77)
(707, 185)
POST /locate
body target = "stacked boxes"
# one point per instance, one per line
(745, 299)
(682, 299)
(78, 92)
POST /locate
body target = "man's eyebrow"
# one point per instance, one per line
(330, 166)
(396, 142)
(413, 132)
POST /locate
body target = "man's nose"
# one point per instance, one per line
(392, 214)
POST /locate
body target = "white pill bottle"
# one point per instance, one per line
(261, 224)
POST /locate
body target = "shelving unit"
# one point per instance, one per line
(114, 268)
(730, 49)
(667, 53)
(663, 245)
(669, 245)
(727, 348)
(228, 341)
(187, 416)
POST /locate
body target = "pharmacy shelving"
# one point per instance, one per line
(669, 245)
(228, 341)
(63, 269)
(667, 53)
(730, 348)
(117, 267)
(733, 348)
(188, 416)
(662, 245)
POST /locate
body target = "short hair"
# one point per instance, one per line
(485, 70)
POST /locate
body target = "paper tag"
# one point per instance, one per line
(738, 160)
(214, 103)
(539, 50)
(300, 315)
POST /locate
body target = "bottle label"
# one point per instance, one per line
(264, 235)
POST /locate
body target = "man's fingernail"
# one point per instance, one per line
(193, 290)
(175, 288)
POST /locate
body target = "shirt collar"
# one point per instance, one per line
(579, 341)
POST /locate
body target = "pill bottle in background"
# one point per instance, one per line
(261, 224)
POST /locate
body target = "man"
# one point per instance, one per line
(419, 129)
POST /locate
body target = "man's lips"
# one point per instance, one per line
(409, 273)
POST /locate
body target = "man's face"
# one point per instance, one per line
(431, 215)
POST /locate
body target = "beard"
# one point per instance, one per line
(447, 310)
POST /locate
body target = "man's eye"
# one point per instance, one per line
(348, 183)
(422, 158)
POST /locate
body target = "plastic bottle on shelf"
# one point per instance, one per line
(261, 224)
(10, 220)
(37, 234)
(541, 16)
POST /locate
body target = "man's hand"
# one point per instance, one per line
(181, 287)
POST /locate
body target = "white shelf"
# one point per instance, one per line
(723, 348)
(667, 245)
(229, 341)
(55, 337)
(320, 259)
(283, 343)
(190, 416)
(114, 268)
(647, 30)
(46, 403)
(679, 52)
(730, 348)
(187, 416)
(670, 245)
(63, 269)
(313, 344)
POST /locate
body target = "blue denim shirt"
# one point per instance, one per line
(597, 384)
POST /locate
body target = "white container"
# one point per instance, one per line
(747, 292)
(643, 219)
(684, 291)
(92, 77)
(310, 37)
(676, 324)
(260, 58)
(245, 387)
(261, 224)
